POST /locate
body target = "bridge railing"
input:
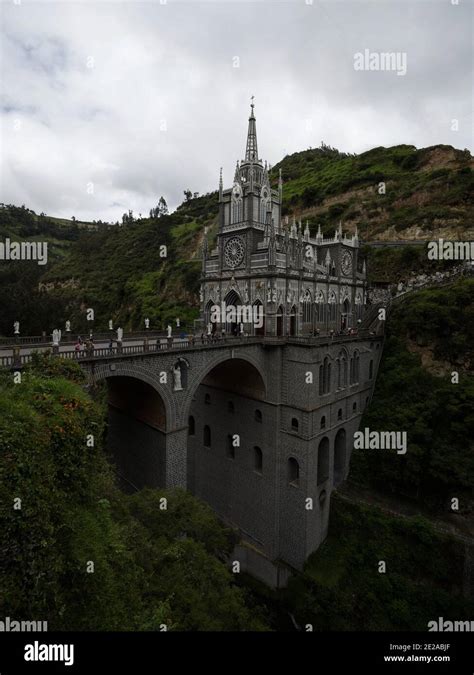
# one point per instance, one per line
(177, 345)
(46, 340)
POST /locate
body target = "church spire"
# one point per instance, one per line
(251, 152)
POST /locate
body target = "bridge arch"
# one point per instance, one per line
(224, 473)
(138, 416)
(198, 376)
(134, 371)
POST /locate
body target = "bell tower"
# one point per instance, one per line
(303, 285)
(247, 208)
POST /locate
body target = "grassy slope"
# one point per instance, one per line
(430, 188)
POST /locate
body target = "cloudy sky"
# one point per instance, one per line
(108, 105)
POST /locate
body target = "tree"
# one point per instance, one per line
(127, 218)
(162, 207)
(188, 195)
(160, 210)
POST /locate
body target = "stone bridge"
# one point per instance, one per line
(173, 400)
(260, 428)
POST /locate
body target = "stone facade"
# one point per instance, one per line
(301, 282)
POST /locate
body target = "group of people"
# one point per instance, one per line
(337, 333)
(211, 338)
(217, 336)
(343, 331)
(84, 346)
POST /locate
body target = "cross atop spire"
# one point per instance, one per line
(251, 152)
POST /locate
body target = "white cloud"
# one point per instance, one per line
(91, 84)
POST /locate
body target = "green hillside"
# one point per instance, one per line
(430, 336)
(427, 191)
(79, 553)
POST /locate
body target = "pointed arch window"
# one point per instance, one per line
(257, 459)
(354, 370)
(307, 307)
(237, 210)
(326, 376)
(293, 471)
(319, 304)
(332, 306)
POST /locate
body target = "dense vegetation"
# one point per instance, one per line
(341, 587)
(437, 415)
(151, 566)
(122, 273)
(426, 188)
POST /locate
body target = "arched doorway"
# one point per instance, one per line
(279, 320)
(232, 301)
(307, 313)
(346, 315)
(332, 310)
(136, 438)
(339, 457)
